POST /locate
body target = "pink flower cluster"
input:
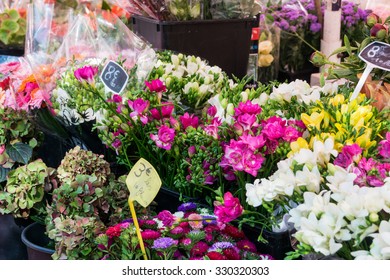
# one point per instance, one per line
(86, 74)
(369, 172)
(19, 89)
(256, 139)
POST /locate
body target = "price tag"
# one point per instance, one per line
(376, 55)
(114, 77)
(143, 182)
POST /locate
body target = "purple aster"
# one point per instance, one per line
(220, 246)
(187, 206)
(163, 243)
(209, 220)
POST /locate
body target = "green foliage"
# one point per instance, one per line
(12, 28)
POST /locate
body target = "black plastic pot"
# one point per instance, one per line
(11, 245)
(278, 243)
(11, 50)
(225, 43)
(37, 242)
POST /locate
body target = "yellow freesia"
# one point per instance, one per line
(314, 120)
(364, 141)
(338, 99)
(297, 145)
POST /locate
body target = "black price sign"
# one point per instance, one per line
(114, 77)
(377, 54)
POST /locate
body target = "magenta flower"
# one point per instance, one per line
(273, 128)
(2, 149)
(199, 249)
(252, 162)
(164, 138)
(374, 181)
(229, 210)
(156, 86)
(212, 111)
(291, 134)
(384, 147)
(367, 164)
(139, 107)
(189, 120)
(254, 142)
(247, 121)
(246, 245)
(165, 111)
(116, 98)
(233, 154)
(149, 234)
(247, 108)
(212, 128)
(86, 73)
(167, 218)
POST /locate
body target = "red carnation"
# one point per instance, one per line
(215, 256)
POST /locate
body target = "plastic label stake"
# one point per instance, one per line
(143, 183)
(114, 77)
(376, 55)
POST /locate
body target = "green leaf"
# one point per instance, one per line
(10, 26)
(99, 192)
(86, 207)
(3, 174)
(20, 152)
(33, 143)
(347, 45)
(4, 36)
(14, 15)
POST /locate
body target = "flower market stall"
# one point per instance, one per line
(114, 150)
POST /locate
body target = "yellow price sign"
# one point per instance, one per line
(143, 182)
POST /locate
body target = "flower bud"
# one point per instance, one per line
(379, 31)
(372, 19)
(318, 59)
(244, 96)
(224, 103)
(230, 109)
(373, 217)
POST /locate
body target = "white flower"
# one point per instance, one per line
(192, 68)
(310, 179)
(380, 247)
(323, 151)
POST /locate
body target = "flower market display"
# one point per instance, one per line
(279, 170)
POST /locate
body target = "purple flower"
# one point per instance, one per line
(209, 220)
(384, 147)
(163, 243)
(220, 246)
(187, 206)
(86, 73)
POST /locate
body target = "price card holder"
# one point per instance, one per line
(114, 77)
(376, 55)
(143, 183)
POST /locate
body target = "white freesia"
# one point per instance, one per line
(323, 151)
(380, 247)
(310, 179)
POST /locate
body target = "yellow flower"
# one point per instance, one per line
(364, 141)
(338, 99)
(297, 145)
(314, 120)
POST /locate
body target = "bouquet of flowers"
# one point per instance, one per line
(191, 233)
